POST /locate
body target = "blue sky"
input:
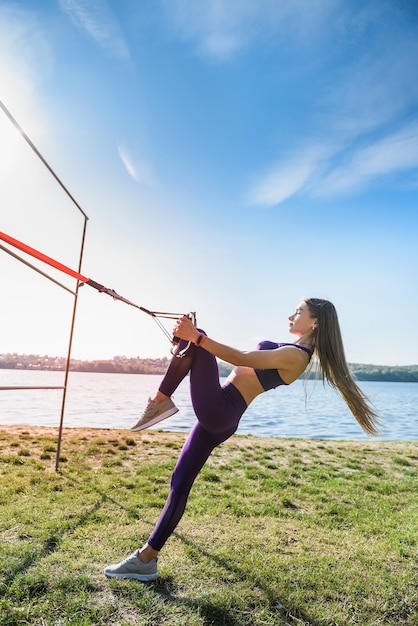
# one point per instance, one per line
(232, 158)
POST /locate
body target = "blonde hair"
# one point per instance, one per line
(329, 349)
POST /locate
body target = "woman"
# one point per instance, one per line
(219, 408)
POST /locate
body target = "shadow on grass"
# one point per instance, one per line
(133, 512)
(216, 615)
(211, 612)
(50, 544)
(56, 535)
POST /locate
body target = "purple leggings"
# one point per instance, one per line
(218, 410)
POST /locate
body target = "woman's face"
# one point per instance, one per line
(301, 322)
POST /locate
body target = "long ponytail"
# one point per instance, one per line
(329, 350)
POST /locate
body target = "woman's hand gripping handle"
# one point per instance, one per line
(185, 329)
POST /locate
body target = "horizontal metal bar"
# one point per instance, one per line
(11, 388)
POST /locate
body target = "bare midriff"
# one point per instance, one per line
(247, 383)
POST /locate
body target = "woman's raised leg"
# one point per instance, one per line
(161, 405)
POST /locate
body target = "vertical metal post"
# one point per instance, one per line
(70, 343)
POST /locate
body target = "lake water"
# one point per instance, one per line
(116, 400)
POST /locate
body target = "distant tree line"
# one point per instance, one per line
(384, 373)
(117, 365)
(130, 366)
(137, 365)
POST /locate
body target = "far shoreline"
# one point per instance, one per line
(164, 436)
(157, 367)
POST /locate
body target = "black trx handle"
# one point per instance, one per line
(175, 340)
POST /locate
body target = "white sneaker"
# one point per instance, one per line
(132, 567)
(154, 413)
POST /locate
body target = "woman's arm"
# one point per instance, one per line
(280, 358)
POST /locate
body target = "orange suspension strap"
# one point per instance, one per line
(88, 281)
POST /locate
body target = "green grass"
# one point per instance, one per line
(287, 532)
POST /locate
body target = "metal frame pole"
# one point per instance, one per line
(75, 294)
(70, 343)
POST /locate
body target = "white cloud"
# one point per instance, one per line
(221, 28)
(376, 88)
(370, 98)
(284, 180)
(96, 19)
(339, 168)
(137, 167)
(394, 154)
